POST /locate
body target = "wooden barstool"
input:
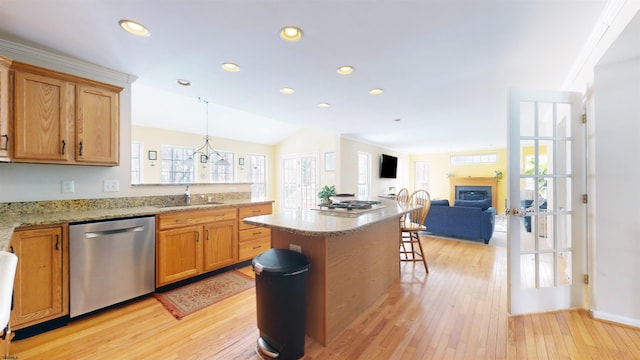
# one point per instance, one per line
(411, 225)
(8, 265)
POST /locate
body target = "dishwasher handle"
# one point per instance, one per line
(94, 234)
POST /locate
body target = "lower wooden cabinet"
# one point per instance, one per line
(253, 240)
(189, 243)
(42, 278)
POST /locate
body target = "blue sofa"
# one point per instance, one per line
(468, 219)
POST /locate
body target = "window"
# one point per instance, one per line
(364, 174)
(421, 175)
(136, 163)
(177, 166)
(257, 174)
(222, 173)
(473, 159)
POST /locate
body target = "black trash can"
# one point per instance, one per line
(281, 295)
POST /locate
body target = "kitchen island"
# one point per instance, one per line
(354, 259)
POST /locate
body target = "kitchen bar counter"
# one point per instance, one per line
(354, 260)
(9, 220)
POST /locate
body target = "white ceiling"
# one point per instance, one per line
(445, 66)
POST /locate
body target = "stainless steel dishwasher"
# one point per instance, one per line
(110, 262)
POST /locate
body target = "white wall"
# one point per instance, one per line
(348, 182)
(617, 231)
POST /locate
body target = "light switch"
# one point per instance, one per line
(68, 186)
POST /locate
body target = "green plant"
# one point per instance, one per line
(326, 192)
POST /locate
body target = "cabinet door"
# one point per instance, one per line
(220, 244)
(97, 126)
(178, 254)
(39, 290)
(5, 154)
(42, 114)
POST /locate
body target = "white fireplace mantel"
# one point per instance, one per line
(473, 181)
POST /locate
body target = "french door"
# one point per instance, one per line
(300, 181)
(546, 182)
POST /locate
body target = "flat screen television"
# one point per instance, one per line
(388, 166)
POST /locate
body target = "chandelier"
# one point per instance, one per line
(206, 151)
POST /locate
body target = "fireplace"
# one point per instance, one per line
(473, 188)
(473, 192)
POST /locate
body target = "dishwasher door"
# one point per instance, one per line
(110, 262)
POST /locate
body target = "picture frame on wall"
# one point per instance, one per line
(153, 155)
(329, 161)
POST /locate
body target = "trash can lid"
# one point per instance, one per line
(279, 261)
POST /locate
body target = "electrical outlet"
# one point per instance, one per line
(68, 186)
(111, 185)
(296, 248)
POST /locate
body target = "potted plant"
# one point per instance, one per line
(326, 193)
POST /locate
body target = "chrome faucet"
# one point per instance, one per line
(187, 196)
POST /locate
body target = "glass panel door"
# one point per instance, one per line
(546, 243)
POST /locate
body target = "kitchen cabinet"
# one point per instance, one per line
(189, 243)
(42, 282)
(253, 240)
(5, 63)
(63, 119)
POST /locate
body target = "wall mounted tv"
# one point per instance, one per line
(388, 166)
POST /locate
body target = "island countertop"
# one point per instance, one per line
(327, 223)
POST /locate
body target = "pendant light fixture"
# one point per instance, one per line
(206, 151)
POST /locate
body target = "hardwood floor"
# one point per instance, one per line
(457, 311)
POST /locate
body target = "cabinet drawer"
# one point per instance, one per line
(252, 234)
(255, 210)
(253, 248)
(179, 219)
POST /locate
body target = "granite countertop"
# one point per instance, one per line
(11, 220)
(322, 223)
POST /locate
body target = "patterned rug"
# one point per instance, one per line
(190, 298)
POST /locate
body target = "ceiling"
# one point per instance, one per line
(445, 66)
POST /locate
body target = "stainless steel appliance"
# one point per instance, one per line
(110, 262)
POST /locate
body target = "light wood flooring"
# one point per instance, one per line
(457, 311)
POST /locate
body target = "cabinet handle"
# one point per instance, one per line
(6, 142)
(207, 234)
(64, 146)
(257, 233)
(80, 148)
(197, 237)
(11, 249)
(257, 247)
(57, 242)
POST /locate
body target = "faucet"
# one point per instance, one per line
(187, 195)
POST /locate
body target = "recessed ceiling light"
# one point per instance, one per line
(291, 33)
(134, 28)
(323, 105)
(345, 70)
(231, 67)
(184, 82)
(287, 90)
(396, 120)
(376, 91)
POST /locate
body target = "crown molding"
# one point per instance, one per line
(47, 59)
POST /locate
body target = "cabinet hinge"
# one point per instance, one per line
(586, 278)
(584, 118)
(585, 198)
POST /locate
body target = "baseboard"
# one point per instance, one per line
(616, 318)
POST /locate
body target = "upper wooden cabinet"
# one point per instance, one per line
(60, 119)
(4, 108)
